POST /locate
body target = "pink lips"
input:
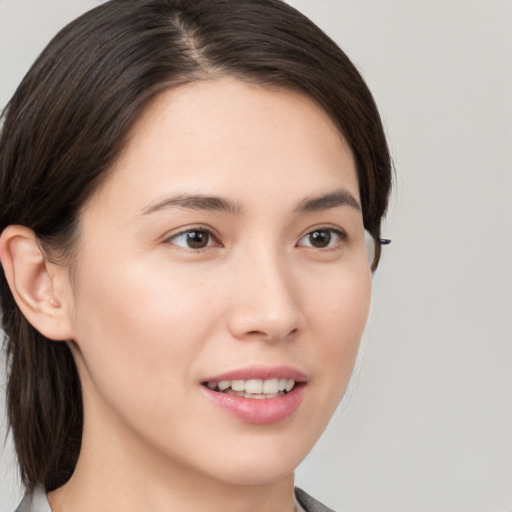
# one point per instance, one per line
(259, 411)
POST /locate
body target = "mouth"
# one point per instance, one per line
(258, 395)
(257, 389)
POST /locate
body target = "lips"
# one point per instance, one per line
(258, 395)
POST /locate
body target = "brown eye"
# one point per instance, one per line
(193, 239)
(321, 238)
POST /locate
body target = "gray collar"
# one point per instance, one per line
(35, 502)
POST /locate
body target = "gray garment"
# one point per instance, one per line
(34, 502)
(37, 502)
(308, 503)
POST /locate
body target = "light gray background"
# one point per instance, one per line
(428, 426)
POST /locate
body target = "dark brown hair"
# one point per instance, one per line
(68, 121)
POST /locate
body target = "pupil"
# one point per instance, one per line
(197, 239)
(320, 238)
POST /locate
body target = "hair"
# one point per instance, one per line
(68, 122)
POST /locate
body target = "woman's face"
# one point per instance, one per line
(222, 261)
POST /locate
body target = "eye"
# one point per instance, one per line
(322, 238)
(194, 239)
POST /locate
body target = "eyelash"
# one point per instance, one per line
(212, 240)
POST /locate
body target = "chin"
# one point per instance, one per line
(259, 474)
(263, 463)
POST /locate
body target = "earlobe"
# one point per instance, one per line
(35, 283)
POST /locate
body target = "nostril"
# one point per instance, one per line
(258, 334)
(269, 336)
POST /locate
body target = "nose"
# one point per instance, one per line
(264, 299)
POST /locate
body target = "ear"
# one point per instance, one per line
(40, 288)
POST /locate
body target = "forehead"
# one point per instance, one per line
(227, 137)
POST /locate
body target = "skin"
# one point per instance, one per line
(150, 318)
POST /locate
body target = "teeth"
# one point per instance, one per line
(254, 388)
(238, 385)
(258, 396)
(270, 386)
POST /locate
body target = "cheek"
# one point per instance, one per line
(338, 315)
(338, 305)
(138, 331)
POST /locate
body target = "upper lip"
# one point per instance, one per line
(260, 372)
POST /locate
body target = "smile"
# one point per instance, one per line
(258, 395)
(254, 388)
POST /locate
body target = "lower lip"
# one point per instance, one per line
(263, 411)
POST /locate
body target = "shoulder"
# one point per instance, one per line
(308, 503)
(35, 501)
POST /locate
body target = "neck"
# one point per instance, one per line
(79, 496)
(116, 471)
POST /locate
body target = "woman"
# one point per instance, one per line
(185, 192)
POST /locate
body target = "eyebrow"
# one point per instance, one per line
(331, 200)
(220, 204)
(195, 202)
